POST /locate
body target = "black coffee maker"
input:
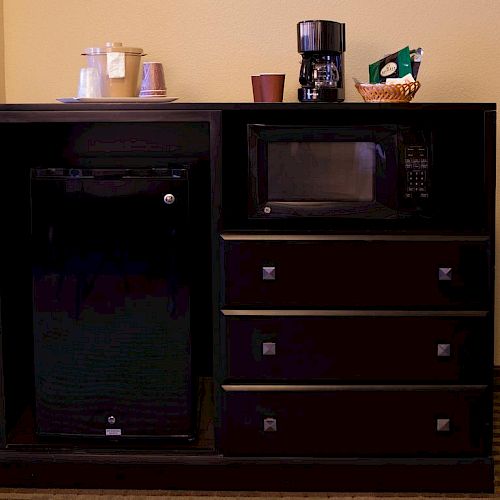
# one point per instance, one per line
(322, 46)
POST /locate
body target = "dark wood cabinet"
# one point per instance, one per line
(349, 327)
(324, 337)
(376, 315)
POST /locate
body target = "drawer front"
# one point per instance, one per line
(360, 422)
(351, 274)
(359, 348)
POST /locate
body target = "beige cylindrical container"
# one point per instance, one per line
(118, 68)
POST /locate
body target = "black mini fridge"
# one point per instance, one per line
(111, 303)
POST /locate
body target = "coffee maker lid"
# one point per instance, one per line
(320, 36)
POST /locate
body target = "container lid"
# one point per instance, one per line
(112, 47)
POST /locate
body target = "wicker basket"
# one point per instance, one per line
(380, 92)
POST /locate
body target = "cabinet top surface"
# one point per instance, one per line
(229, 106)
(188, 111)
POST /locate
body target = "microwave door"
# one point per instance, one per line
(341, 178)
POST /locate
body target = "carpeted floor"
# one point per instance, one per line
(18, 494)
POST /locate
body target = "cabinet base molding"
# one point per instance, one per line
(215, 472)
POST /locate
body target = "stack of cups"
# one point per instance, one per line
(90, 83)
(153, 80)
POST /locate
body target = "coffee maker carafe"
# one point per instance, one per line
(322, 46)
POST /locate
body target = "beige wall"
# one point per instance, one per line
(2, 56)
(211, 47)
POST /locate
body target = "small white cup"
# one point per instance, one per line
(89, 83)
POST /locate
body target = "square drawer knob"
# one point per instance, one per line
(443, 425)
(270, 425)
(269, 273)
(268, 348)
(445, 274)
(444, 350)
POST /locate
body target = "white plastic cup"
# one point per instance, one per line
(89, 84)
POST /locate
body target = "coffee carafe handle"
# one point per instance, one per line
(305, 77)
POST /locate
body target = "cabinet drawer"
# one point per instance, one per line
(355, 273)
(355, 421)
(358, 348)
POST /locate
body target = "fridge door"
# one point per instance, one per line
(111, 304)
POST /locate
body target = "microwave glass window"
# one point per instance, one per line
(321, 171)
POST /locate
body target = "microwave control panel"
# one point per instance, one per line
(416, 164)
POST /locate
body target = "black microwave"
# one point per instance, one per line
(358, 167)
(375, 172)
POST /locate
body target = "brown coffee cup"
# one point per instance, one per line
(271, 86)
(257, 94)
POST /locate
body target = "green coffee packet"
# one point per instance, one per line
(394, 65)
